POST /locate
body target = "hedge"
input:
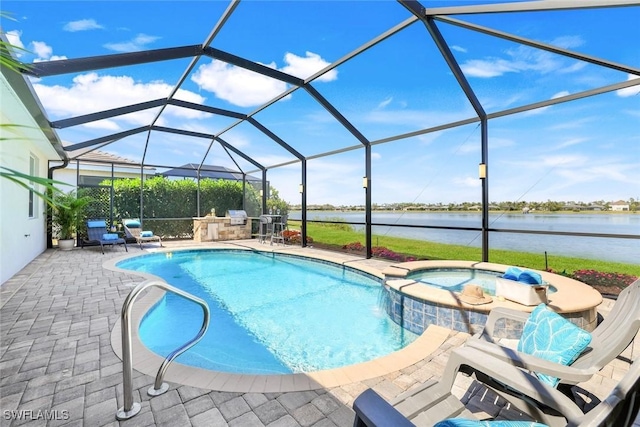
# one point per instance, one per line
(168, 198)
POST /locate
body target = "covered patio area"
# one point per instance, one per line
(57, 356)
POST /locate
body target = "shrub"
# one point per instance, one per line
(294, 237)
(599, 279)
(378, 251)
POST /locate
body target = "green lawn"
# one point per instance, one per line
(342, 234)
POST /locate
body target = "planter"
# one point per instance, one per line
(66, 244)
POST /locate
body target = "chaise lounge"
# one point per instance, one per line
(433, 404)
(133, 230)
(608, 340)
(97, 233)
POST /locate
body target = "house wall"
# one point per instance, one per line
(21, 238)
(619, 208)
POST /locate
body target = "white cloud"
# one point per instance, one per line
(236, 85)
(138, 43)
(307, 66)
(571, 142)
(13, 37)
(487, 67)
(542, 109)
(82, 25)
(44, 52)
(459, 49)
(577, 66)
(376, 156)
(245, 88)
(91, 92)
(568, 42)
(522, 58)
(574, 160)
(632, 90)
(384, 103)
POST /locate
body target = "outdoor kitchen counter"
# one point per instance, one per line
(213, 228)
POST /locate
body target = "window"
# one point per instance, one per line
(33, 171)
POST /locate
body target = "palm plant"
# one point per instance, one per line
(67, 212)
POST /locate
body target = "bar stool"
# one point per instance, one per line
(265, 225)
(278, 227)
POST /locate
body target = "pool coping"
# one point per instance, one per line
(571, 296)
(147, 362)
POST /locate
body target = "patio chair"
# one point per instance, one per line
(97, 233)
(133, 230)
(608, 340)
(434, 404)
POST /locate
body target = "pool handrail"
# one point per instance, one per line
(131, 408)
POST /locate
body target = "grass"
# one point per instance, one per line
(338, 235)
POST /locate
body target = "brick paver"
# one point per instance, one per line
(55, 357)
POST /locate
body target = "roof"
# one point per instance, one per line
(208, 171)
(102, 157)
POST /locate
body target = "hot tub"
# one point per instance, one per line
(414, 304)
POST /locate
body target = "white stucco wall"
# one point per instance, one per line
(21, 238)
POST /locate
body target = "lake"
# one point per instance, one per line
(610, 249)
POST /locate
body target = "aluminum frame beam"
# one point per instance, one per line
(274, 137)
(530, 6)
(108, 139)
(79, 65)
(252, 66)
(206, 108)
(105, 114)
(539, 45)
(230, 147)
(417, 9)
(336, 114)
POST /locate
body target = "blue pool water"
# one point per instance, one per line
(455, 279)
(270, 313)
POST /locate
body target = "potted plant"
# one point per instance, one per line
(66, 216)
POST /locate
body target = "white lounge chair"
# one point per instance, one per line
(133, 230)
(433, 402)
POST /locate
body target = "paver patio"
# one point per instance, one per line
(56, 359)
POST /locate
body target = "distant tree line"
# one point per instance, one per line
(506, 206)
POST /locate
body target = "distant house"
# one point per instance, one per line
(620, 206)
(97, 166)
(190, 170)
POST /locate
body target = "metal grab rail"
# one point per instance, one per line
(131, 408)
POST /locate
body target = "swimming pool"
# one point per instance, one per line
(270, 313)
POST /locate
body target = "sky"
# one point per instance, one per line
(585, 150)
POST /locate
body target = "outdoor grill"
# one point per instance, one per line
(238, 217)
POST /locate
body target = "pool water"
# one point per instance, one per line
(270, 313)
(455, 279)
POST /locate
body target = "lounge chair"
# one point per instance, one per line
(133, 230)
(433, 402)
(97, 233)
(608, 340)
